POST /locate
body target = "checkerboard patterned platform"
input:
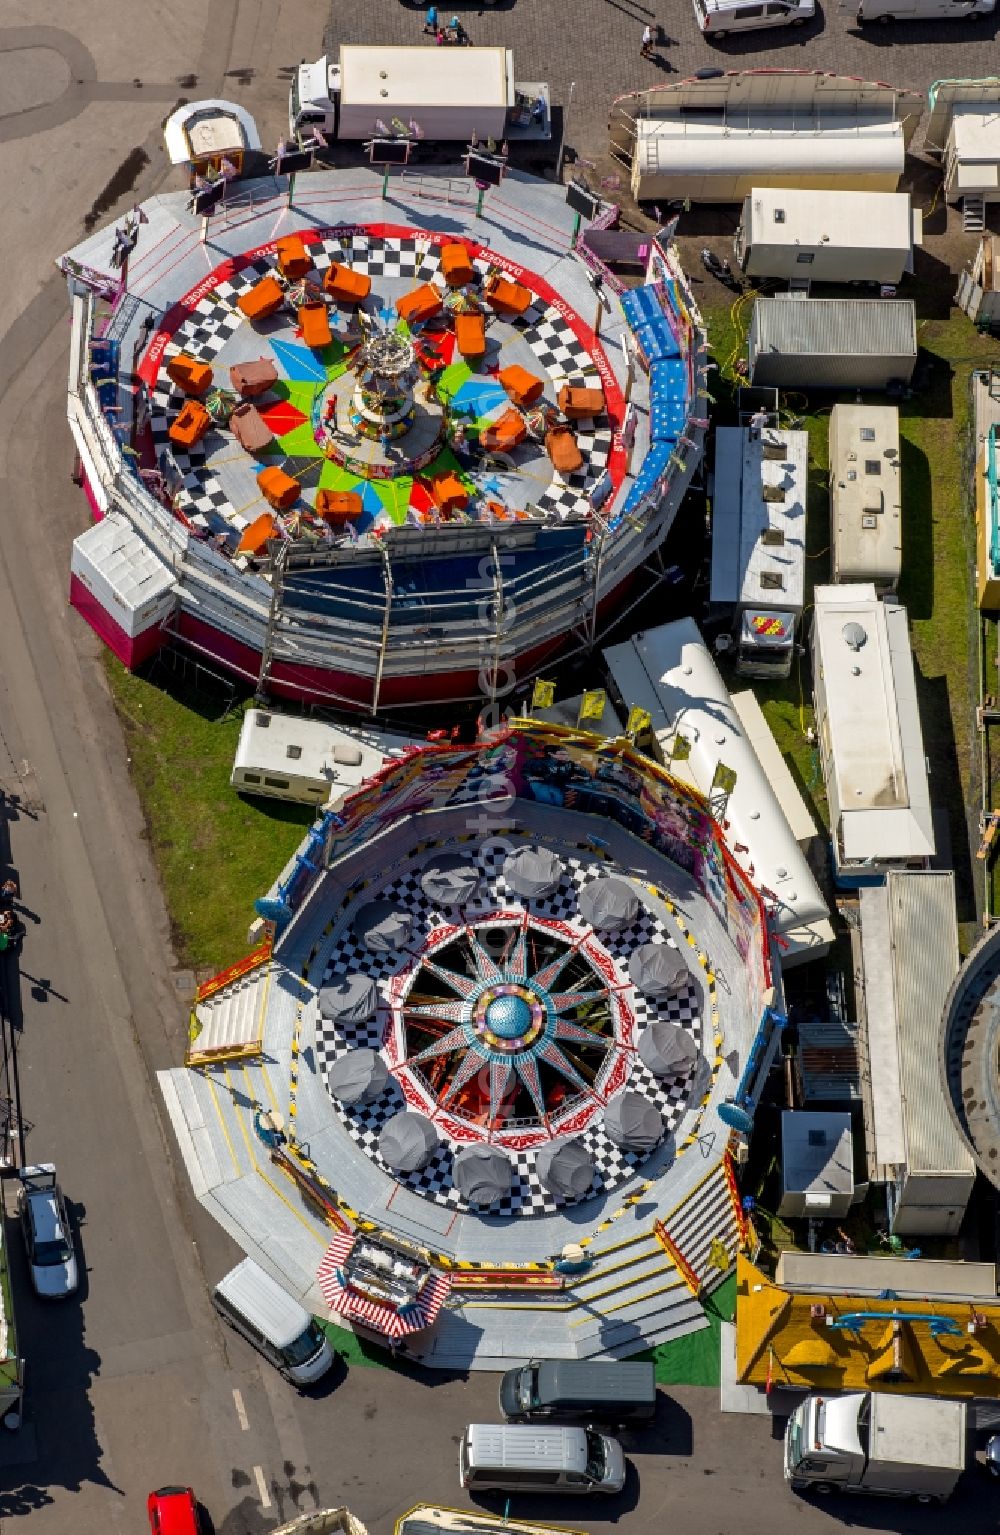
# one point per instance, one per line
(345, 953)
(217, 489)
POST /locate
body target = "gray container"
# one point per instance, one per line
(832, 343)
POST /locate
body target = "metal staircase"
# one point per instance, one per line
(640, 1292)
(973, 213)
(230, 1023)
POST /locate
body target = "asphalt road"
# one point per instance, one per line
(134, 1384)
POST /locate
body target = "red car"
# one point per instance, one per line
(173, 1511)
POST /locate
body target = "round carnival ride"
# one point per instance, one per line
(335, 429)
(515, 986)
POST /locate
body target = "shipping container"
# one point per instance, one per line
(832, 343)
(906, 956)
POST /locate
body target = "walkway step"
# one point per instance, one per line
(654, 1301)
(622, 1337)
(601, 1273)
(652, 1339)
(230, 1018)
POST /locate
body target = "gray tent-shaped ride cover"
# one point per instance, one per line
(349, 998)
(532, 872)
(383, 927)
(407, 1142)
(360, 1076)
(482, 1174)
(631, 1121)
(608, 903)
(667, 1049)
(565, 1168)
(449, 879)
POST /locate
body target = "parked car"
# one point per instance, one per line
(48, 1240)
(717, 18)
(173, 1511)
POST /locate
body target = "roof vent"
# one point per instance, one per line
(855, 635)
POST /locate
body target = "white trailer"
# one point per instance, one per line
(714, 139)
(759, 542)
(806, 236)
(817, 1165)
(905, 960)
(447, 94)
(870, 742)
(961, 130)
(669, 672)
(310, 762)
(717, 163)
(866, 533)
(878, 1442)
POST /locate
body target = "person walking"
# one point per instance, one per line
(431, 20)
(647, 42)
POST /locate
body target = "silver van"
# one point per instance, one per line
(517, 1458)
(717, 18)
(613, 1392)
(282, 1330)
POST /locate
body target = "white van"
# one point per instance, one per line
(283, 1331)
(716, 18)
(922, 10)
(529, 1458)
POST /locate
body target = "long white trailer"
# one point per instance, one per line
(669, 672)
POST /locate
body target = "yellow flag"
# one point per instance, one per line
(543, 695)
(638, 721)
(592, 705)
(718, 1255)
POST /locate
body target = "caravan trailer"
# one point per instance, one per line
(806, 236)
(865, 500)
(759, 542)
(870, 742)
(311, 762)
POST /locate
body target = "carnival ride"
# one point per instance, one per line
(369, 463)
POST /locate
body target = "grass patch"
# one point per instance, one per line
(351, 1349)
(215, 850)
(694, 1360)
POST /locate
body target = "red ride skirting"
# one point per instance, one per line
(131, 650)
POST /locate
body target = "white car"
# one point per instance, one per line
(48, 1240)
